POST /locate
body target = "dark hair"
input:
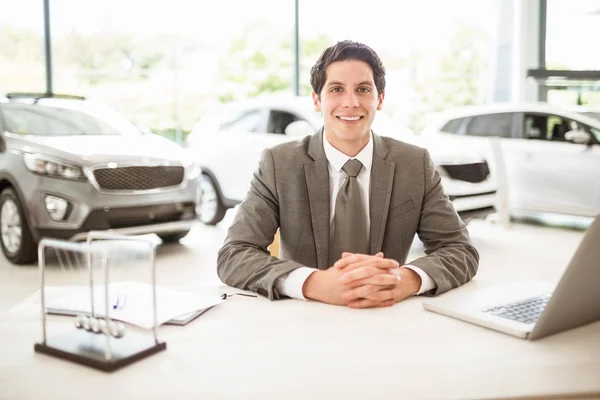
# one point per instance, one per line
(347, 50)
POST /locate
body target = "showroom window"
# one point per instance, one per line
(497, 125)
(22, 59)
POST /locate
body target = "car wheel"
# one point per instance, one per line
(173, 237)
(212, 210)
(16, 240)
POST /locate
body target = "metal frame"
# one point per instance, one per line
(76, 346)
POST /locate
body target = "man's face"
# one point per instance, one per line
(348, 101)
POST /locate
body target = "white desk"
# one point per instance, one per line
(251, 348)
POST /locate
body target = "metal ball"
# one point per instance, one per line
(85, 323)
(94, 325)
(102, 326)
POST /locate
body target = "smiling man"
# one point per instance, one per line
(347, 203)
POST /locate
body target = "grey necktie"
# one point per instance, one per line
(350, 230)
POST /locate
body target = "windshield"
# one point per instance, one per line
(53, 120)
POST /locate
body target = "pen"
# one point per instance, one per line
(119, 300)
(116, 302)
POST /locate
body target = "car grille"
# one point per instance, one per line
(474, 173)
(139, 178)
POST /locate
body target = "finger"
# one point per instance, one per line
(352, 258)
(369, 291)
(377, 280)
(359, 273)
(363, 303)
(367, 303)
(396, 293)
(362, 273)
(346, 254)
(383, 263)
(386, 303)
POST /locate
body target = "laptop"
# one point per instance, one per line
(533, 310)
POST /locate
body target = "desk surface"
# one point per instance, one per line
(254, 348)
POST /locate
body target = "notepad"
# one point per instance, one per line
(176, 307)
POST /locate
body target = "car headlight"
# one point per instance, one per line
(193, 171)
(43, 165)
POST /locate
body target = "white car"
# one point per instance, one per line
(587, 111)
(551, 155)
(230, 140)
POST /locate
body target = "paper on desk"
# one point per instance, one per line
(138, 307)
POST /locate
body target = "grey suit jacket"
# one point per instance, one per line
(290, 191)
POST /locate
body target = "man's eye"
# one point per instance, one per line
(364, 89)
(336, 89)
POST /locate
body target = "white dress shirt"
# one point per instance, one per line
(292, 283)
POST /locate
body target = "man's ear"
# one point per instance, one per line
(380, 102)
(316, 102)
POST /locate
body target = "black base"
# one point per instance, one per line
(88, 348)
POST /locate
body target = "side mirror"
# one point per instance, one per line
(578, 137)
(299, 128)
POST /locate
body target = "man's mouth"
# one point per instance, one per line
(349, 119)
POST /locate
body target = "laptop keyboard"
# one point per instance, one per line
(526, 311)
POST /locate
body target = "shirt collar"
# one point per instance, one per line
(337, 159)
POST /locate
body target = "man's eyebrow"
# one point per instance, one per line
(364, 83)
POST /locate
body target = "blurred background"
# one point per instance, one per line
(165, 65)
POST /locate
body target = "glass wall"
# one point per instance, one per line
(164, 64)
(22, 46)
(572, 29)
(436, 53)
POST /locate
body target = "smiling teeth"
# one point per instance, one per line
(350, 118)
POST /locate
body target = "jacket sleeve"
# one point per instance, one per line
(244, 260)
(451, 260)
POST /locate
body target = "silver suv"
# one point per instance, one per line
(68, 166)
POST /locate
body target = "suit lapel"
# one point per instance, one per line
(317, 183)
(382, 179)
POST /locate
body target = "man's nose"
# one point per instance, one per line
(350, 100)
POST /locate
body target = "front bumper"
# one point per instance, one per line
(163, 218)
(91, 210)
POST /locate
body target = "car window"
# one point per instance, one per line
(247, 121)
(499, 125)
(453, 126)
(279, 120)
(549, 127)
(52, 121)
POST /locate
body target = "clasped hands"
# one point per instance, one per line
(362, 281)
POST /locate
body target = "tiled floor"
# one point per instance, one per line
(193, 262)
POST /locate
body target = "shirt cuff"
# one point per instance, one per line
(291, 284)
(426, 282)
